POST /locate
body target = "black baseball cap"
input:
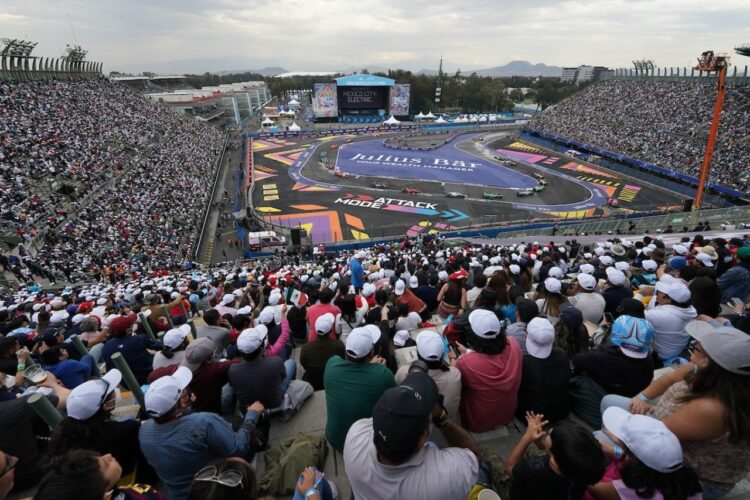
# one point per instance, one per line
(400, 416)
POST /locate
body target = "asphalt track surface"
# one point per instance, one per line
(296, 185)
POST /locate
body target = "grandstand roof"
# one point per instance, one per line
(136, 78)
(364, 80)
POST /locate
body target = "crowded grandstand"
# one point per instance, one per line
(604, 366)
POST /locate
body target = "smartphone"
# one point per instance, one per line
(608, 318)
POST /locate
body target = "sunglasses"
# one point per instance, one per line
(229, 478)
(10, 464)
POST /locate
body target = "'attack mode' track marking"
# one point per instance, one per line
(444, 164)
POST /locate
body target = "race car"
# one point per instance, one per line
(455, 194)
(539, 176)
(334, 146)
(410, 190)
(525, 192)
(542, 182)
(492, 196)
(380, 185)
(538, 188)
(339, 173)
(613, 202)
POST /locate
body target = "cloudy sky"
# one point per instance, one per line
(200, 35)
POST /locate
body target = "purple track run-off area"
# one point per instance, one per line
(444, 164)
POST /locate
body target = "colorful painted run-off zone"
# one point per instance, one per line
(350, 187)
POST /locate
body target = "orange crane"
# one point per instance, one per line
(708, 61)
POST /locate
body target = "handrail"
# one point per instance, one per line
(209, 200)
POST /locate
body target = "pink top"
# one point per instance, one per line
(277, 346)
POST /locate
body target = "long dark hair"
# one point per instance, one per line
(209, 490)
(732, 389)
(487, 346)
(706, 296)
(677, 485)
(73, 434)
(499, 283)
(74, 475)
(168, 352)
(348, 308)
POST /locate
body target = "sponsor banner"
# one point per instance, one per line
(361, 98)
(400, 95)
(324, 102)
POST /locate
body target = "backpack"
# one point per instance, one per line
(283, 464)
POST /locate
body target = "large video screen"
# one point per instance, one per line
(362, 97)
(325, 101)
(400, 95)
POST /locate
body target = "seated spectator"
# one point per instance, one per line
(402, 339)
(259, 377)
(175, 341)
(82, 474)
(178, 443)
(551, 299)
(407, 320)
(525, 312)
(647, 277)
(315, 355)
(90, 426)
(545, 374)
(209, 377)
(570, 334)
(134, 348)
(404, 296)
(350, 317)
(616, 290)
(704, 403)
(670, 312)
(322, 307)
(573, 461)
(297, 317)
(353, 385)
(586, 299)
(490, 373)
(70, 372)
(735, 283)
(217, 329)
(92, 337)
(388, 455)
(647, 460)
(480, 281)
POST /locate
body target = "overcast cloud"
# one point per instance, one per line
(200, 35)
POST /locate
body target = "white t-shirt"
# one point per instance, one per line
(409, 322)
(434, 473)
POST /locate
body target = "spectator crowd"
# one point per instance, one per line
(624, 362)
(103, 173)
(665, 123)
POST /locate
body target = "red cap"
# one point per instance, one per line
(122, 323)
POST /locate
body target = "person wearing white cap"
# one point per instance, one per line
(351, 316)
(404, 295)
(226, 306)
(545, 374)
(89, 425)
(670, 312)
(175, 341)
(314, 355)
(586, 299)
(407, 320)
(353, 385)
(551, 299)
(490, 373)
(324, 305)
(653, 459)
(192, 439)
(647, 276)
(615, 291)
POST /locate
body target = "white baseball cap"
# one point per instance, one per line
(555, 272)
(615, 276)
(541, 335)
(484, 323)
(649, 265)
(174, 337)
(622, 266)
(430, 345)
(586, 281)
(360, 255)
(646, 437)
(401, 337)
(368, 289)
(727, 346)
(324, 323)
(705, 259)
(266, 315)
(227, 299)
(246, 310)
(86, 399)
(400, 286)
(413, 282)
(553, 285)
(515, 269)
(359, 343)
(274, 298)
(587, 269)
(674, 288)
(164, 393)
(251, 339)
(606, 260)
(680, 250)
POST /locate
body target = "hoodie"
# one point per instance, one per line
(489, 387)
(670, 337)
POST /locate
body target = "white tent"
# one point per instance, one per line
(464, 120)
(493, 118)
(440, 120)
(483, 118)
(457, 119)
(391, 121)
(294, 102)
(429, 116)
(267, 122)
(473, 118)
(419, 116)
(294, 127)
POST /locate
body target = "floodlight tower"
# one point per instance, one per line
(16, 48)
(708, 61)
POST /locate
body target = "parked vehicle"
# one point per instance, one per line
(264, 239)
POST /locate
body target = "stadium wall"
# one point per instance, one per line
(736, 76)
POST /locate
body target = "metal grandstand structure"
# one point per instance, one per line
(644, 67)
(17, 62)
(743, 50)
